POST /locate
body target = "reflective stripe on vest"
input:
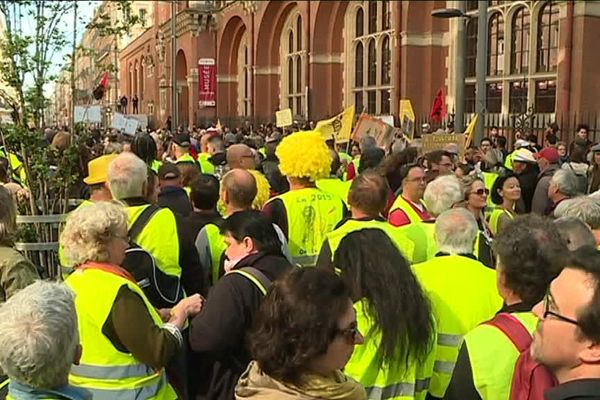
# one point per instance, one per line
(492, 356)
(159, 238)
(397, 236)
(104, 370)
(311, 214)
(402, 204)
(397, 390)
(305, 261)
(144, 392)
(252, 278)
(463, 294)
(398, 379)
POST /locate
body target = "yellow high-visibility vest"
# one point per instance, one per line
(311, 214)
(403, 204)
(103, 369)
(463, 294)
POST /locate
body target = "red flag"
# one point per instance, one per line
(438, 110)
(104, 80)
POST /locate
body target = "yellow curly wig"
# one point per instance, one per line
(304, 155)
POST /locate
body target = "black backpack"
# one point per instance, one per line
(163, 291)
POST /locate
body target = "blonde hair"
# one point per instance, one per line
(89, 230)
(8, 216)
(304, 155)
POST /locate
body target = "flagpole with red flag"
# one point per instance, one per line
(438, 110)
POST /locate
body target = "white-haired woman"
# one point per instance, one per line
(125, 343)
(39, 342)
(475, 200)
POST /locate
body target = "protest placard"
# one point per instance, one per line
(131, 125)
(283, 118)
(368, 125)
(118, 122)
(434, 141)
(407, 118)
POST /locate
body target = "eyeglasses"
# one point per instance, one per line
(417, 179)
(349, 334)
(481, 192)
(547, 312)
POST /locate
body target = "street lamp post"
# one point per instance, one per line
(174, 110)
(481, 63)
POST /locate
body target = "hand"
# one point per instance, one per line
(165, 314)
(192, 305)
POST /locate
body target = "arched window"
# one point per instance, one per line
(360, 22)
(372, 16)
(370, 57)
(471, 53)
(292, 54)
(244, 77)
(386, 60)
(496, 45)
(371, 63)
(385, 15)
(519, 48)
(358, 65)
(547, 39)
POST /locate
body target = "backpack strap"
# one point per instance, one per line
(257, 277)
(139, 224)
(513, 329)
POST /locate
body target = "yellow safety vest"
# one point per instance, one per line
(492, 356)
(311, 214)
(159, 238)
(205, 165)
(336, 187)
(508, 163)
(403, 204)
(488, 180)
(263, 190)
(495, 217)
(463, 294)
(18, 171)
(155, 166)
(66, 267)
(104, 370)
(391, 381)
(422, 236)
(216, 246)
(345, 156)
(405, 245)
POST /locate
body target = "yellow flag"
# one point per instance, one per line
(219, 127)
(338, 127)
(470, 131)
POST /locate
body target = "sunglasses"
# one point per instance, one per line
(481, 192)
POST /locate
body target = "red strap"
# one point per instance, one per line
(110, 268)
(513, 329)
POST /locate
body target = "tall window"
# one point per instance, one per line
(518, 97)
(244, 78)
(545, 96)
(547, 39)
(471, 56)
(496, 45)
(371, 57)
(519, 52)
(293, 54)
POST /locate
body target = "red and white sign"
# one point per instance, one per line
(207, 82)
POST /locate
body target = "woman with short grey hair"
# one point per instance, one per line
(126, 345)
(39, 342)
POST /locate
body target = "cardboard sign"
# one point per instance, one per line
(118, 122)
(92, 114)
(407, 118)
(131, 125)
(283, 118)
(434, 141)
(368, 125)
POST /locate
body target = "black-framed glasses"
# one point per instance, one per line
(481, 192)
(547, 312)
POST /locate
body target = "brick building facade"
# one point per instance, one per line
(317, 57)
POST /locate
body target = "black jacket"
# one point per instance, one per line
(175, 199)
(528, 181)
(218, 334)
(581, 389)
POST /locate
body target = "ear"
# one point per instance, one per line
(590, 353)
(249, 243)
(225, 196)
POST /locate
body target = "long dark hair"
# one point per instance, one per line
(144, 146)
(255, 225)
(394, 300)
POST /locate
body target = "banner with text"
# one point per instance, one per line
(338, 127)
(434, 141)
(207, 82)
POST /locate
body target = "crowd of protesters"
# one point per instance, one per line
(258, 263)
